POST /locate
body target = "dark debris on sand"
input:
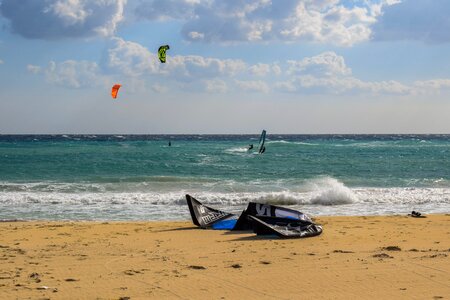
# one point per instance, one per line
(382, 255)
(197, 267)
(342, 251)
(35, 276)
(392, 248)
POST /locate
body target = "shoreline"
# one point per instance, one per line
(188, 219)
(387, 257)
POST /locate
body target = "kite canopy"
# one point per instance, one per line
(263, 219)
(162, 53)
(115, 90)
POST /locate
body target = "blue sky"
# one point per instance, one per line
(292, 66)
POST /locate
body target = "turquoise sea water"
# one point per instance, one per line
(139, 177)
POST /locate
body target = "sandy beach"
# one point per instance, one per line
(387, 257)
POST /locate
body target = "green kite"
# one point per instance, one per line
(162, 53)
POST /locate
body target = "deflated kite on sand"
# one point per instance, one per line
(263, 219)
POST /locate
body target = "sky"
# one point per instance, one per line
(234, 66)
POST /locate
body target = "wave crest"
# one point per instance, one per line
(330, 191)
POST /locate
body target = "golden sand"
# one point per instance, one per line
(388, 257)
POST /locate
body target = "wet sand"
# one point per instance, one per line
(388, 257)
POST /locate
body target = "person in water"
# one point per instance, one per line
(263, 149)
(250, 147)
(170, 144)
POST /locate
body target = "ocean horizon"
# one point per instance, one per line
(141, 177)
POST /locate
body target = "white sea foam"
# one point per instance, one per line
(237, 150)
(327, 197)
(319, 196)
(330, 191)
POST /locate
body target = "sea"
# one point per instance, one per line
(141, 177)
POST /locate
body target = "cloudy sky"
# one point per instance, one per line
(235, 66)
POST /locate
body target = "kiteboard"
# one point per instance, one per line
(293, 229)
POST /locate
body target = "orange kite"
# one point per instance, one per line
(115, 90)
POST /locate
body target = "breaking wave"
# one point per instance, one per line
(332, 192)
(164, 198)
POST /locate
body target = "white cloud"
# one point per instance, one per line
(434, 83)
(334, 24)
(325, 73)
(377, 8)
(325, 64)
(74, 74)
(285, 86)
(328, 73)
(131, 59)
(58, 19)
(342, 85)
(194, 35)
(388, 87)
(260, 69)
(425, 20)
(325, 21)
(70, 11)
(311, 75)
(216, 86)
(432, 86)
(194, 66)
(33, 69)
(253, 85)
(276, 69)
